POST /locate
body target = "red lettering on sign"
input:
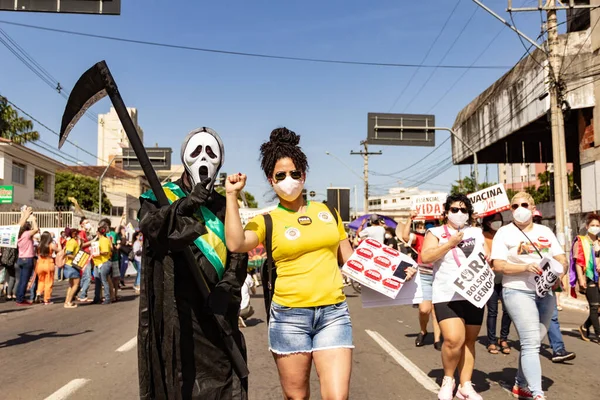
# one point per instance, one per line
(373, 274)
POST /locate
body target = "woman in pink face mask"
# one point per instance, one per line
(308, 241)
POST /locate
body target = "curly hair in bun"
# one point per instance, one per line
(283, 143)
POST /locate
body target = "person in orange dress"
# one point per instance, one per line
(44, 267)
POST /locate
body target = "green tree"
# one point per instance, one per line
(15, 128)
(252, 203)
(467, 185)
(82, 188)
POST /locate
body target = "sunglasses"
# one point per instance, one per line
(281, 175)
(524, 205)
(455, 210)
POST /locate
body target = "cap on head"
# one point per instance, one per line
(374, 218)
(537, 213)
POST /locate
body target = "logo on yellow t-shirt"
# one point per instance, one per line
(325, 216)
(292, 233)
(304, 220)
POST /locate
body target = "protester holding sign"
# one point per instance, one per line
(585, 267)
(426, 273)
(449, 247)
(491, 224)
(517, 252)
(309, 318)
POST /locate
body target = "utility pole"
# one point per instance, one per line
(365, 153)
(556, 86)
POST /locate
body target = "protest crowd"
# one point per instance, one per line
(79, 256)
(458, 262)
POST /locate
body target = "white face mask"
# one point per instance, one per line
(522, 215)
(203, 157)
(289, 189)
(594, 230)
(388, 236)
(458, 219)
(495, 225)
(88, 226)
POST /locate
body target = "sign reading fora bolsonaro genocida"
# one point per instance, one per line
(551, 271)
(490, 200)
(429, 206)
(378, 267)
(474, 280)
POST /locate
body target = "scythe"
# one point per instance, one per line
(94, 84)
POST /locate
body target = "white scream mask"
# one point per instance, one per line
(202, 154)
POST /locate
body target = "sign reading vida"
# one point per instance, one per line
(430, 206)
(490, 200)
(474, 280)
(6, 194)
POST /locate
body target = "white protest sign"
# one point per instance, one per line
(551, 271)
(411, 293)
(490, 200)
(95, 249)
(430, 206)
(474, 280)
(9, 236)
(378, 267)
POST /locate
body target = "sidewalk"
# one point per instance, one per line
(580, 303)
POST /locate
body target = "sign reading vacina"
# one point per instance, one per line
(105, 7)
(390, 129)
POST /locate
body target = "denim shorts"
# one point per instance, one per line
(304, 330)
(426, 286)
(71, 273)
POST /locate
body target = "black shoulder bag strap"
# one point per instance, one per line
(533, 244)
(269, 249)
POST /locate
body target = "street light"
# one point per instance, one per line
(355, 173)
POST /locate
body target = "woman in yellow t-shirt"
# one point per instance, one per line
(72, 273)
(309, 318)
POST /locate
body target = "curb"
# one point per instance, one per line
(574, 304)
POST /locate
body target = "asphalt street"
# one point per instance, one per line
(49, 352)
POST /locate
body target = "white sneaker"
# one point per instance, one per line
(447, 390)
(467, 392)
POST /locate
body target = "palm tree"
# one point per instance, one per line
(13, 127)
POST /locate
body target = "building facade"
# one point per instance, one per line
(111, 135)
(31, 175)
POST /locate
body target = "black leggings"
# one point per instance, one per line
(592, 294)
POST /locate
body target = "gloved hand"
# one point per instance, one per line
(198, 197)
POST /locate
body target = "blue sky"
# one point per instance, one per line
(244, 98)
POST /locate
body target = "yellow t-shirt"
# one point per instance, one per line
(305, 248)
(71, 247)
(105, 247)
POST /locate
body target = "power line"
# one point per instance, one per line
(464, 28)
(255, 55)
(53, 131)
(425, 57)
(37, 68)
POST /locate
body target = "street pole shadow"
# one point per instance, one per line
(12, 311)
(479, 379)
(28, 337)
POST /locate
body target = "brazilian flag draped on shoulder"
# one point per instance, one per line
(212, 243)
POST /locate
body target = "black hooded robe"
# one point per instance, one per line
(181, 354)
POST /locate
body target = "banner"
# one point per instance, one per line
(9, 236)
(474, 280)
(378, 267)
(490, 200)
(551, 271)
(81, 259)
(246, 214)
(6, 194)
(411, 293)
(430, 206)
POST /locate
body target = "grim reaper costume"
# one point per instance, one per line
(181, 352)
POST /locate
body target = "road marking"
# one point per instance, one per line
(128, 346)
(404, 362)
(67, 390)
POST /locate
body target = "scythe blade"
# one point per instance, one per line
(88, 90)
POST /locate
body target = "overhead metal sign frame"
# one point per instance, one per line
(104, 7)
(401, 129)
